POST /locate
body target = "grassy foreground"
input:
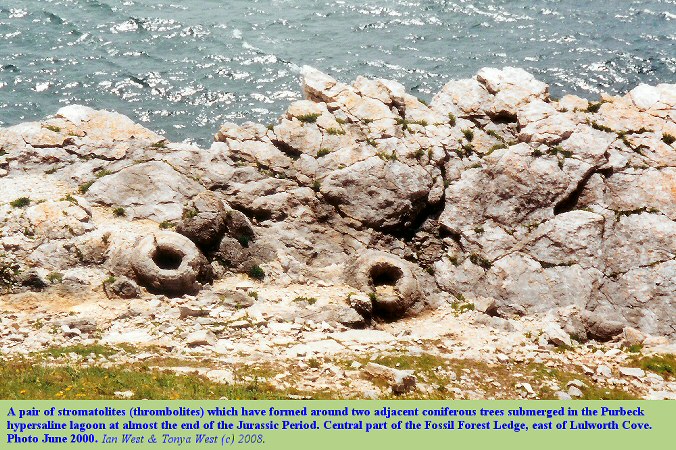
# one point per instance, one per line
(53, 374)
(24, 379)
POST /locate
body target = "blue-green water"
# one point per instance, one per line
(182, 67)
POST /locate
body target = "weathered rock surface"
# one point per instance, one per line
(400, 381)
(392, 284)
(494, 191)
(152, 190)
(170, 263)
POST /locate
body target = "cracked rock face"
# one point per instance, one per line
(152, 190)
(494, 191)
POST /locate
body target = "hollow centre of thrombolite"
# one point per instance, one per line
(167, 259)
(385, 275)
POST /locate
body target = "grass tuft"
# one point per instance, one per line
(308, 300)
(257, 273)
(84, 187)
(469, 134)
(308, 118)
(20, 202)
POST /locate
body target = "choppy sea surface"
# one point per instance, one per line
(183, 67)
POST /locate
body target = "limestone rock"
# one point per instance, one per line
(152, 190)
(200, 337)
(401, 381)
(632, 372)
(602, 328)
(632, 336)
(556, 335)
(122, 287)
(203, 220)
(33, 280)
(171, 263)
(378, 193)
(392, 284)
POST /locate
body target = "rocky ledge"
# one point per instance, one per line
(361, 207)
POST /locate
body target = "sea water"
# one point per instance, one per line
(183, 67)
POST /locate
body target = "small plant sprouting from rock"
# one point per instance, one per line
(405, 123)
(109, 280)
(316, 186)
(341, 121)
(166, 224)
(160, 144)
(53, 128)
(335, 131)
(84, 187)
(20, 202)
(69, 198)
(314, 363)
(469, 134)
(465, 151)
(257, 273)
(102, 173)
(594, 107)
(253, 294)
(189, 213)
(55, 277)
(387, 157)
(461, 306)
(243, 241)
(494, 134)
(600, 127)
(498, 147)
(668, 139)
(323, 152)
(371, 142)
(308, 300)
(635, 348)
(558, 150)
(451, 119)
(308, 118)
(480, 261)
(119, 212)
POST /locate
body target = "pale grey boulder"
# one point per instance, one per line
(602, 326)
(121, 287)
(389, 280)
(643, 298)
(152, 190)
(638, 240)
(514, 186)
(518, 279)
(574, 237)
(170, 263)
(203, 219)
(378, 193)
